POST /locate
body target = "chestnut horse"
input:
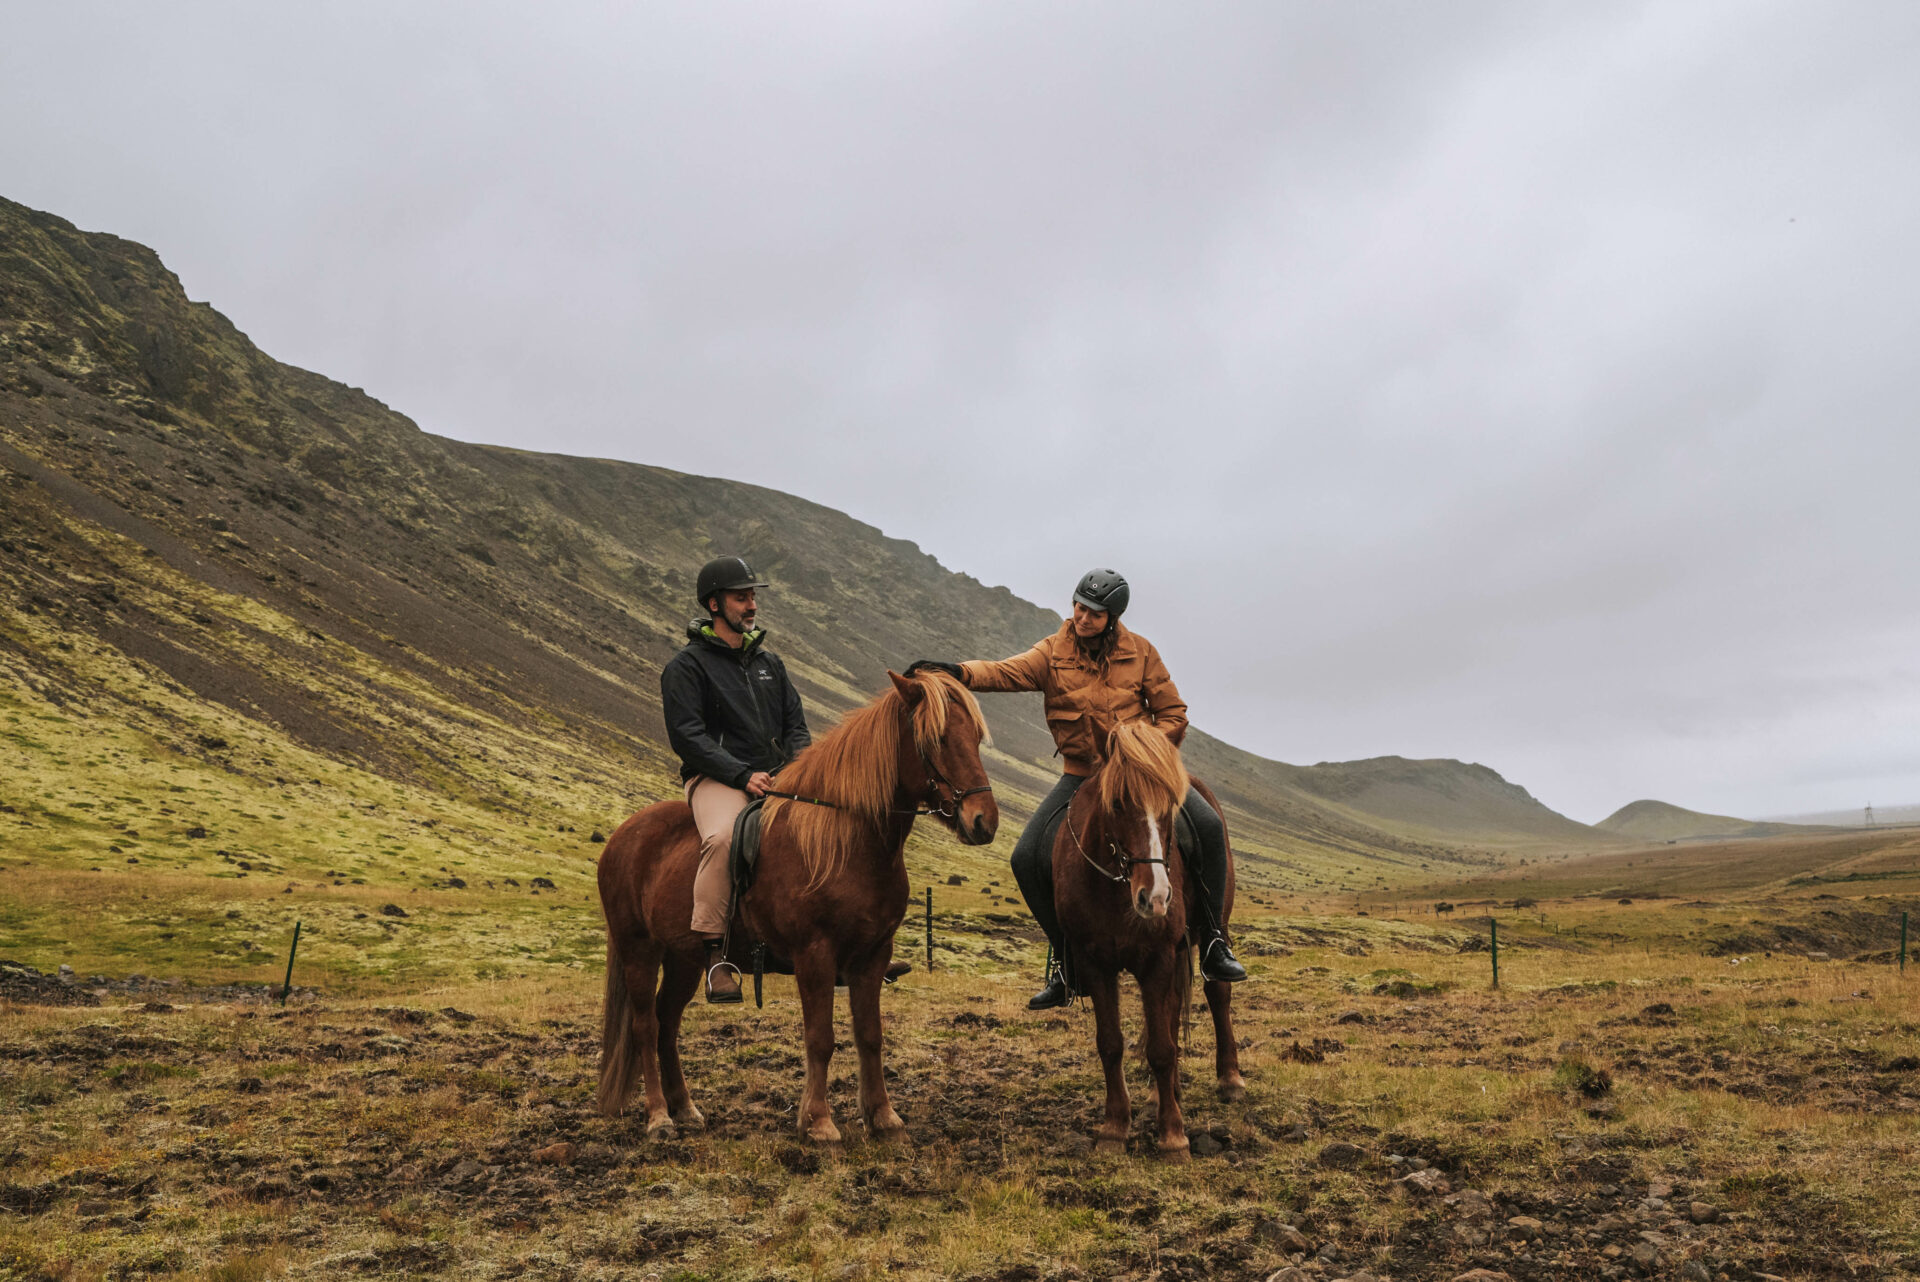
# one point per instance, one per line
(1120, 891)
(829, 893)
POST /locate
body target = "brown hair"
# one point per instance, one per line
(1097, 650)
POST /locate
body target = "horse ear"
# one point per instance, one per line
(909, 690)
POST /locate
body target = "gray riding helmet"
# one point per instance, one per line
(1103, 590)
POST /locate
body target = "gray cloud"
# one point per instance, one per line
(1514, 382)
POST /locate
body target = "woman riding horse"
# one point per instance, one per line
(1097, 674)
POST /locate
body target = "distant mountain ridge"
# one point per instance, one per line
(269, 545)
(1659, 821)
(1469, 801)
(1856, 818)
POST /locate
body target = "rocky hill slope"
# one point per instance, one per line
(217, 564)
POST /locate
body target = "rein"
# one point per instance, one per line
(1126, 861)
(949, 807)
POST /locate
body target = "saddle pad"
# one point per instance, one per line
(745, 852)
(1186, 835)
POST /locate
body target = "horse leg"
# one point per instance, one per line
(814, 973)
(1104, 987)
(1226, 1050)
(642, 973)
(863, 1002)
(1160, 996)
(680, 979)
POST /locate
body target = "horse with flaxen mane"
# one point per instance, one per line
(1120, 891)
(830, 891)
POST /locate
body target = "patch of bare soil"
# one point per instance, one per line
(22, 983)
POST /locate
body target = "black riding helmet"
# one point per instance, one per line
(724, 574)
(1103, 590)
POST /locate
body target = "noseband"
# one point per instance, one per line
(949, 809)
(1126, 861)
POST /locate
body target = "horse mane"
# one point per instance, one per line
(855, 766)
(1143, 771)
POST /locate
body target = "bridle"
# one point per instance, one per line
(950, 808)
(1126, 861)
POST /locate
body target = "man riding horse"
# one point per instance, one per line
(733, 718)
(1097, 674)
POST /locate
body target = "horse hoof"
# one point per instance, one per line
(821, 1132)
(1233, 1092)
(886, 1125)
(691, 1118)
(662, 1128)
(1108, 1145)
(890, 1134)
(1175, 1152)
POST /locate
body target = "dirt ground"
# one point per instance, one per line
(1616, 1115)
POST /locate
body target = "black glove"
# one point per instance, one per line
(951, 669)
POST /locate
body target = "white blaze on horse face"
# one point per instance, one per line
(1162, 890)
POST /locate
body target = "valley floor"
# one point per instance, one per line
(1621, 1111)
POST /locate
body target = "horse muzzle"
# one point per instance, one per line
(978, 820)
(1150, 903)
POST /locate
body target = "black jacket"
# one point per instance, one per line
(730, 712)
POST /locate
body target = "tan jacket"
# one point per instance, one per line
(1082, 706)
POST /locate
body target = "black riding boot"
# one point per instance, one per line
(1209, 866)
(1217, 960)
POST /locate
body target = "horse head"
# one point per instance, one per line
(940, 754)
(1141, 785)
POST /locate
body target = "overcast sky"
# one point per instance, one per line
(1526, 383)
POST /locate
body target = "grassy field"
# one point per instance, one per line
(1623, 1105)
(1877, 861)
(399, 1116)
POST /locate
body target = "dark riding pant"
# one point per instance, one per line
(1208, 864)
(1033, 859)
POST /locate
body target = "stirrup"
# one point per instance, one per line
(722, 998)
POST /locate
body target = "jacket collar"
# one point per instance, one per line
(700, 631)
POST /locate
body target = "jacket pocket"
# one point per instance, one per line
(1072, 733)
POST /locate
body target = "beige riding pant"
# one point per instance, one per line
(715, 807)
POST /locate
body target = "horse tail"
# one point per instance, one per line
(617, 1051)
